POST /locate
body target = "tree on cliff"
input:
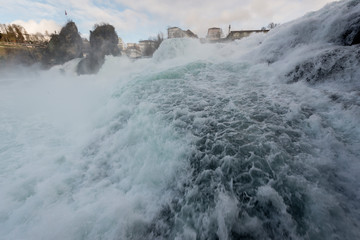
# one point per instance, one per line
(64, 46)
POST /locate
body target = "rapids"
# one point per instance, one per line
(255, 139)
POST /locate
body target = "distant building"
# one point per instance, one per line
(133, 50)
(235, 35)
(143, 44)
(175, 32)
(214, 34)
(147, 47)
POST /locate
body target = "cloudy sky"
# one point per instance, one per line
(139, 19)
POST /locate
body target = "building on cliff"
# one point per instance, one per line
(214, 34)
(147, 47)
(236, 35)
(175, 32)
(133, 50)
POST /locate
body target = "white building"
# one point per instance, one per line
(133, 50)
(214, 33)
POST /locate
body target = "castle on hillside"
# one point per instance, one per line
(215, 34)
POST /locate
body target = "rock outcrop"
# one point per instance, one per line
(103, 41)
(330, 64)
(352, 34)
(64, 46)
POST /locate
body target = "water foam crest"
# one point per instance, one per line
(254, 139)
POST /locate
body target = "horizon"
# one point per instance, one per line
(135, 21)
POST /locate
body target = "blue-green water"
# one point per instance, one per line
(199, 142)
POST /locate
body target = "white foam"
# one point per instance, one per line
(98, 156)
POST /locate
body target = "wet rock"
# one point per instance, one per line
(90, 65)
(352, 34)
(331, 64)
(64, 46)
(103, 41)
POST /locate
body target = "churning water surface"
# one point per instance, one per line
(199, 142)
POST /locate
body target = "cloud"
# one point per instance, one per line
(199, 15)
(27, 9)
(142, 18)
(33, 27)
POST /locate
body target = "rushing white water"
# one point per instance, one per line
(255, 139)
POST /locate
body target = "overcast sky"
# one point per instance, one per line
(139, 19)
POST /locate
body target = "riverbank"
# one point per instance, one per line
(21, 53)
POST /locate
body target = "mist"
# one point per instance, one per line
(257, 139)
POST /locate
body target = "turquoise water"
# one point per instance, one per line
(199, 142)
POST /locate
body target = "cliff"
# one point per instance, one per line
(64, 46)
(103, 41)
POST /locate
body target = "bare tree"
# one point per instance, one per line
(158, 40)
(152, 44)
(19, 33)
(272, 25)
(12, 33)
